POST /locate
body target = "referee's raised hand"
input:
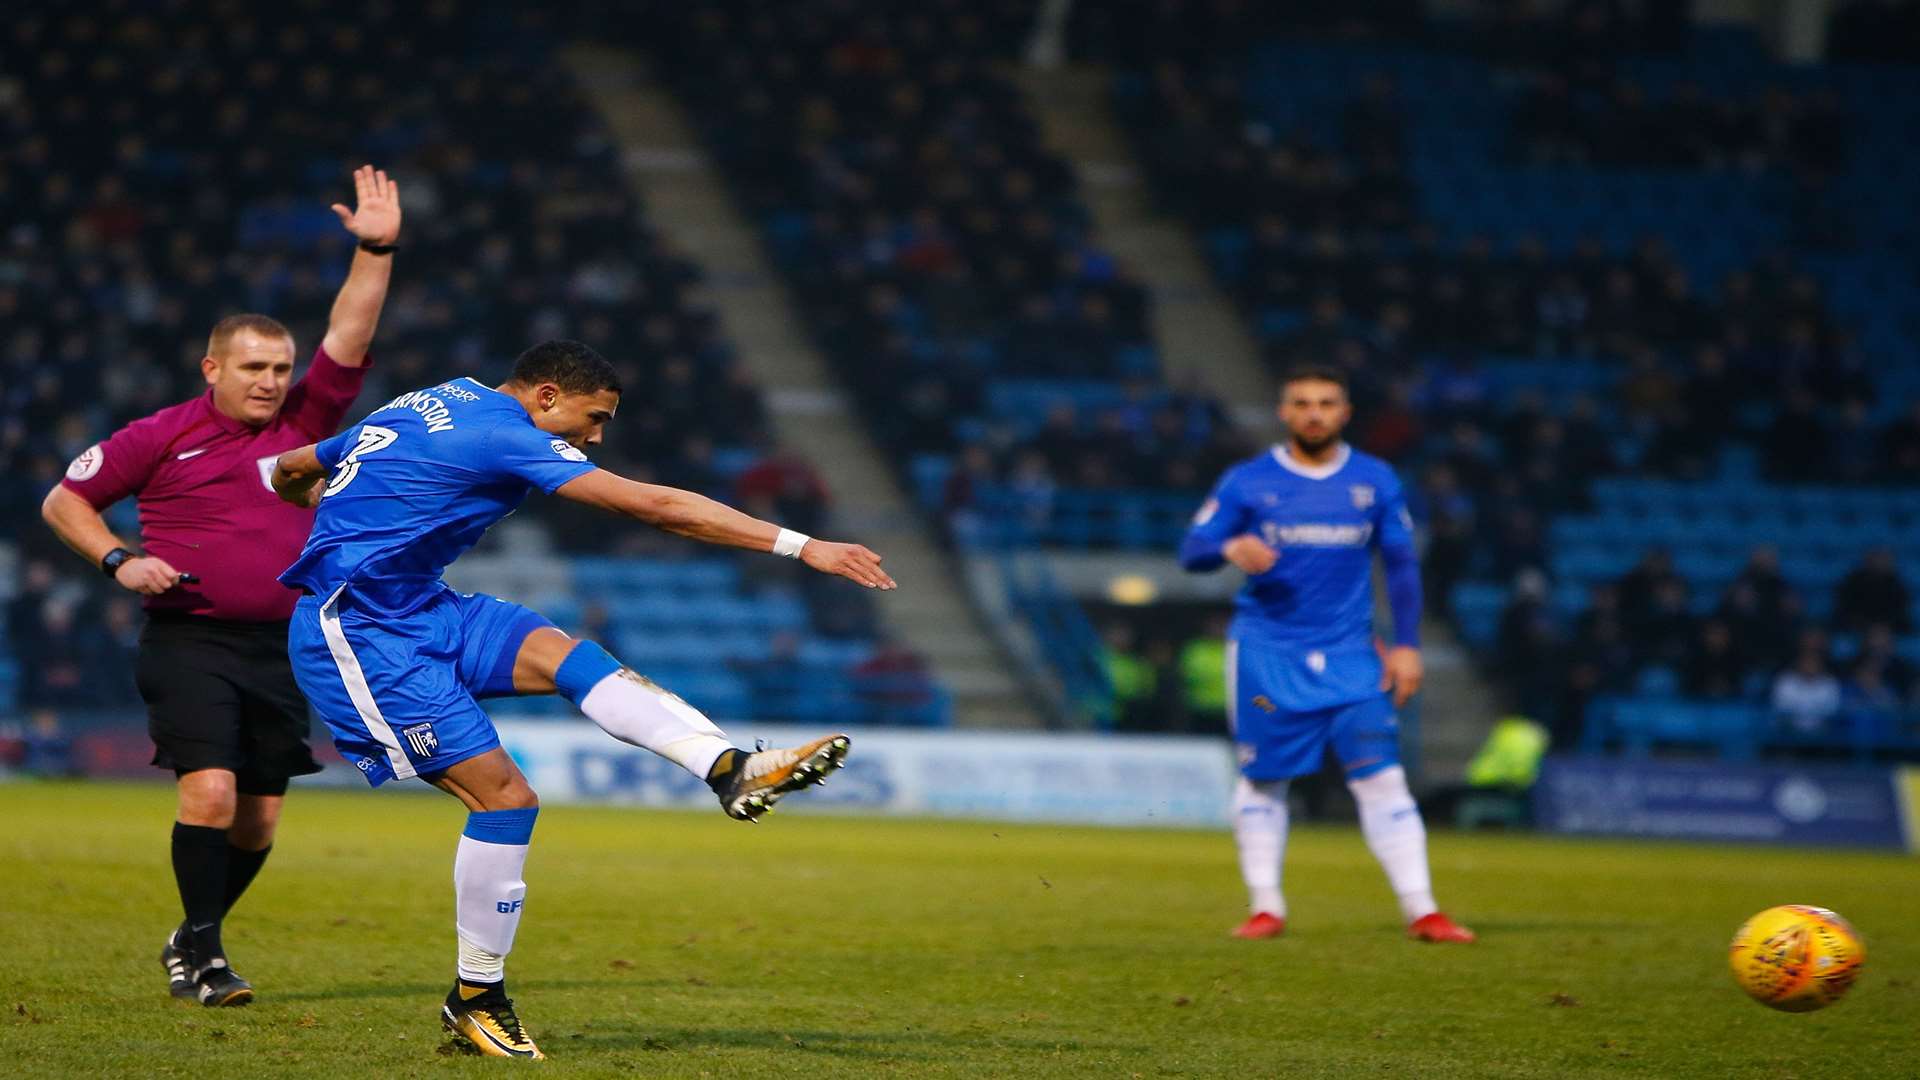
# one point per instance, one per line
(147, 575)
(375, 218)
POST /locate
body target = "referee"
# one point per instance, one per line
(222, 706)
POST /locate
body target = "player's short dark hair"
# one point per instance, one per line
(570, 365)
(1313, 373)
(223, 331)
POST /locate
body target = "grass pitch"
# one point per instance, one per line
(670, 944)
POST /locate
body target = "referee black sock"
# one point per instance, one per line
(242, 865)
(200, 857)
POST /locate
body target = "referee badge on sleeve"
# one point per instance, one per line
(87, 465)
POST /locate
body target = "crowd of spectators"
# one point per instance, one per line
(1335, 263)
(936, 243)
(168, 163)
(1646, 634)
(177, 160)
(1554, 124)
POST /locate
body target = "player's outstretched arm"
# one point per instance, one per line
(692, 515)
(374, 221)
(297, 475)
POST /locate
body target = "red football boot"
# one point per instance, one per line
(1437, 927)
(1262, 925)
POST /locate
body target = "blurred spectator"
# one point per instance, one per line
(789, 486)
(1873, 594)
(1640, 589)
(1716, 669)
(1133, 677)
(1203, 675)
(892, 683)
(1806, 696)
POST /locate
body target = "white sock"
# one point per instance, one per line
(1390, 820)
(488, 892)
(1260, 832)
(642, 714)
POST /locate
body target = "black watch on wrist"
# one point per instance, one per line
(372, 248)
(112, 561)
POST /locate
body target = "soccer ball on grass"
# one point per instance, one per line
(1796, 958)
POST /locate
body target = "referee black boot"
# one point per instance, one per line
(216, 986)
(173, 957)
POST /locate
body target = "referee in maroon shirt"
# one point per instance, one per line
(222, 706)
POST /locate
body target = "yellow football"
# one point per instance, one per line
(1796, 958)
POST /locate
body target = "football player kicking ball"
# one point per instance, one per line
(1303, 520)
(393, 660)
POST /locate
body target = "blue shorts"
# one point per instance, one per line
(400, 694)
(1276, 743)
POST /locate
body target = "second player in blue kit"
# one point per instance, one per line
(394, 660)
(1304, 670)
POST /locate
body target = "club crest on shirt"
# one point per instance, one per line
(265, 465)
(1362, 496)
(567, 450)
(87, 465)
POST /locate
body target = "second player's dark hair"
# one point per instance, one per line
(570, 365)
(1313, 373)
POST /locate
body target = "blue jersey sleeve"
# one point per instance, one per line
(330, 451)
(1393, 533)
(1221, 518)
(520, 451)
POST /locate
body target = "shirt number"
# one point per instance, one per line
(372, 440)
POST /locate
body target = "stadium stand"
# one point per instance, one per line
(1603, 287)
(947, 264)
(237, 125)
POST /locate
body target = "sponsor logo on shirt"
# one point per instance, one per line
(87, 465)
(1318, 535)
(456, 392)
(567, 450)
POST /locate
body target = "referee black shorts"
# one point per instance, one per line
(221, 695)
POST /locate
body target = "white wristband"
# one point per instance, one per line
(789, 543)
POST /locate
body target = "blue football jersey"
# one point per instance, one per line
(416, 484)
(1314, 608)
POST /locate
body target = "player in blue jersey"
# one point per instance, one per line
(1303, 520)
(393, 660)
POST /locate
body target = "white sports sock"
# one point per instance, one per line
(1390, 820)
(488, 894)
(640, 713)
(1260, 832)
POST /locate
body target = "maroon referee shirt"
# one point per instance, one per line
(204, 482)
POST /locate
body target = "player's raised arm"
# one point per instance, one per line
(689, 514)
(375, 222)
(297, 475)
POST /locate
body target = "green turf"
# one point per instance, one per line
(668, 944)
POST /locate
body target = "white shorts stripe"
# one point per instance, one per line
(357, 689)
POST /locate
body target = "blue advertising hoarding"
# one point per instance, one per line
(1822, 806)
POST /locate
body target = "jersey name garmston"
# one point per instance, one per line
(416, 484)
